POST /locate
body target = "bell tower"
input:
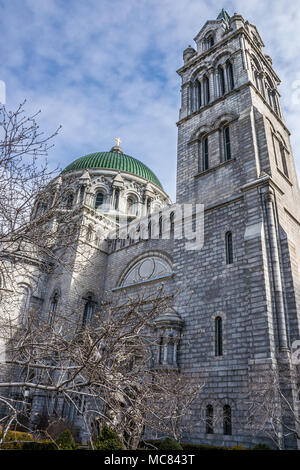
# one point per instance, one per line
(235, 157)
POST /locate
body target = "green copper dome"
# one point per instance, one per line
(114, 161)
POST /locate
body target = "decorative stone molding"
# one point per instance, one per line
(146, 269)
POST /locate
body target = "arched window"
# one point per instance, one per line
(172, 216)
(148, 205)
(131, 206)
(149, 229)
(227, 143)
(53, 307)
(208, 42)
(117, 198)
(199, 94)
(205, 162)
(283, 159)
(160, 227)
(229, 248)
(41, 208)
(206, 90)
(229, 68)
(221, 80)
(69, 201)
(81, 194)
(209, 419)
(218, 337)
(258, 76)
(88, 310)
(272, 95)
(24, 296)
(227, 423)
(99, 199)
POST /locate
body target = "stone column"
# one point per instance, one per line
(210, 75)
(176, 343)
(276, 273)
(165, 350)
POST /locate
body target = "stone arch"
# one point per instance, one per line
(146, 267)
(199, 72)
(223, 119)
(217, 58)
(256, 63)
(201, 132)
(281, 138)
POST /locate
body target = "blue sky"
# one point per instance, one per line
(107, 68)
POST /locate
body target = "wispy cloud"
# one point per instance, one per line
(106, 68)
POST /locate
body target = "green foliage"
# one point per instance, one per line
(15, 440)
(65, 441)
(261, 447)
(40, 445)
(108, 440)
(169, 444)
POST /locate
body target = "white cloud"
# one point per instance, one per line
(107, 68)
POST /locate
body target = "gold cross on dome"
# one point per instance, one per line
(118, 140)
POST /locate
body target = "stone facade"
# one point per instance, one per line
(234, 156)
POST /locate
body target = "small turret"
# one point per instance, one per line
(188, 53)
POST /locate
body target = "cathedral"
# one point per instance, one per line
(236, 313)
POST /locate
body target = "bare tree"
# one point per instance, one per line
(273, 403)
(54, 366)
(102, 371)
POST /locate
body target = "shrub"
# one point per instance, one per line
(40, 445)
(15, 440)
(261, 447)
(169, 444)
(108, 440)
(237, 447)
(65, 441)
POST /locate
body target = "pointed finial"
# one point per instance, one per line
(224, 16)
(118, 140)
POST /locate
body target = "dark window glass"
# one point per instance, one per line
(209, 419)
(149, 229)
(283, 158)
(218, 337)
(199, 89)
(229, 248)
(99, 200)
(230, 75)
(227, 424)
(221, 80)
(210, 41)
(172, 225)
(53, 308)
(205, 153)
(206, 90)
(227, 144)
(81, 197)
(88, 310)
(130, 206)
(160, 223)
(117, 194)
